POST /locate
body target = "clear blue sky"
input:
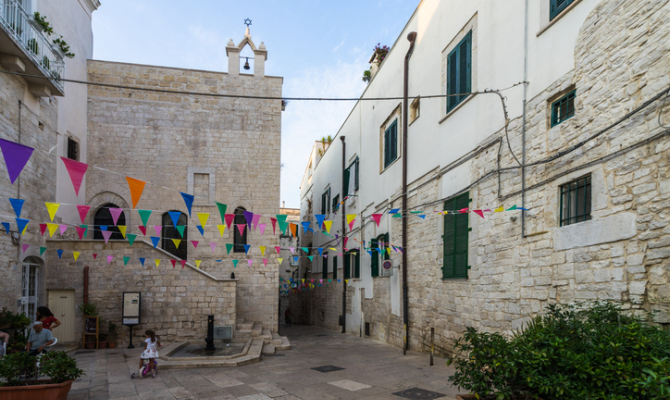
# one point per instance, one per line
(321, 48)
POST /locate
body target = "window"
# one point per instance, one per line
(352, 264)
(414, 110)
(29, 287)
(336, 202)
(455, 239)
(325, 201)
(557, 6)
(72, 149)
(391, 143)
(459, 72)
(576, 201)
(351, 186)
(563, 108)
(104, 218)
(324, 269)
(170, 232)
(380, 242)
(335, 267)
(239, 239)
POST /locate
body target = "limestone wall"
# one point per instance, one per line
(175, 301)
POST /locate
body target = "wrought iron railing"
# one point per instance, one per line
(42, 51)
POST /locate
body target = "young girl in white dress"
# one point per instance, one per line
(150, 351)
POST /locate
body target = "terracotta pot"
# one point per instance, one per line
(54, 391)
(90, 345)
(111, 345)
(102, 344)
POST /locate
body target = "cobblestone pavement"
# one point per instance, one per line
(371, 370)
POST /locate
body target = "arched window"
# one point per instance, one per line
(239, 240)
(170, 232)
(104, 217)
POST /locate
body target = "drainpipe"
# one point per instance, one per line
(344, 234)
(523, 123)
(405, 299)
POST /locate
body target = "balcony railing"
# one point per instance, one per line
(41, 51)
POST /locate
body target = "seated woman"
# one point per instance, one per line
(39, 339)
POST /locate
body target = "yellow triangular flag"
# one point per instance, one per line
(350, 217)
(279, 260)
(176, 242)
(122, 229)
(262, 249)
(197, 264)
(157, 262)
(500, 209)
(346, 281)
(333, 249)
(327, 224)
(222, 228)
(52, 208)
(52, 229)
(388, 250)
(76, 255)
(203, 217)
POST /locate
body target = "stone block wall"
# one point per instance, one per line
(175, 302)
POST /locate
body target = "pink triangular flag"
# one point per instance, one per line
(107, 235)
(143, 229)
(83, 210)
(174, 263)
(351, 224)
(80, 232)
(77, 170)
(229, 219)
(250, 261)
(95, 256)
(339, 254)
(240, 228)
(265, 262)
(344, 241)
(158, 230)
(116, 212)
(195, 243)
(261, 227)
(479, 212)
(256, 220)
(43, 228)
(278, 248)
(292, 249)
(109, 258)
(183, 264)
(25, 247)
(377, 218)
(213, 246)
(63, 228)
(274, 225)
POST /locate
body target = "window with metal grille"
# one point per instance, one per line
(72, 149)
(391, 143)
(576, 201)
(563, 108)
(459, 74)
(336, 202)
(347, 177)
(179, 232)
(239, 239)
(325, 201)
(455, 239)
(557, 6)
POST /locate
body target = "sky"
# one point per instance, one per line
(321, 48)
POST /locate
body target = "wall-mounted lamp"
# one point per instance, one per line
(15, 237)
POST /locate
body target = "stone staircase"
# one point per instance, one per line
(271, 340)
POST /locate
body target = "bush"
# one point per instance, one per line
(57, 365)
(13, 367)
(592, 353)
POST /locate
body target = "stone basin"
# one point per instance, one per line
(195, 350)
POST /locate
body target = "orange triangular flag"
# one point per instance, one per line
(136, 188)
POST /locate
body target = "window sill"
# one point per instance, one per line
(556, 18)
(458, 107)
(389, 166)
(454, 279)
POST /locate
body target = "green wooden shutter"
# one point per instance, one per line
(394, 141)
(334, 267)
(346, 177)
(452, 79)
(448, 241)
(386, 147)
(324, 273)
(455, 239)
(465, 54)
(323, 203)
(356, 175)
(374, 262)
(347, 266)
(556, 6)
(357, 264)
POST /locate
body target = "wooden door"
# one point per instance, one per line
(61, 304)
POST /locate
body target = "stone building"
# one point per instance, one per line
(289, 267)
(580, 141)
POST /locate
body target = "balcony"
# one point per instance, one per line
(24, 49)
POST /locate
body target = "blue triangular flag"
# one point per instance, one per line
(60, 253)
(6, 225)
(202, 231)
(21, 223)
(155, 240)
(103, 227)
(421, 216)
(370, 253)
(295, 259)
(188, 199)
(246, 248)
(174, 215)
(17, 204)
(305, 225)
(319, 219)
(142, 260)
(320, 251)
(218, 260)
(394, 211)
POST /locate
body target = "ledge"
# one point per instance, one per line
(559, 16)
(458, 107)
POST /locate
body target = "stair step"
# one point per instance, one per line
(257, 330)
(285, 344)
(245, 326)
(268, 349)
(276, 339)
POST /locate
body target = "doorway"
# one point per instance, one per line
(61, 304)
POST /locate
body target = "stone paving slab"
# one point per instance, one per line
(371, 371)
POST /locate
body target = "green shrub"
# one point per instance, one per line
(59, 367)
(19, 369)
(599, 352)
(13, 367)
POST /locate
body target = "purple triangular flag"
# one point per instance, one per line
(107, 235)
(249, 216)
(116, 212)
(16, 157)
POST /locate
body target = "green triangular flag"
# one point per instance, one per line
(235, 263)
(180, 229)
(397, 215)
(144, 215)
(282, 226)
(305, 249)
(131, 238)
(125, 260)
(512, 208)
(86, 227)
(281, 217)
(415, 212)
(42, 250)
(229, 247)
(222, 211)
(326, 233)
(311, 258)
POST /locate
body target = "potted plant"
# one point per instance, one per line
(111, 335)
(20, 376)
(381, 52)
(89, 309)
(102, 341)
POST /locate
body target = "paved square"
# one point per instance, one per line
(371, 370)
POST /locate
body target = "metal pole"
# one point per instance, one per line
(405, 297)
(344, 234)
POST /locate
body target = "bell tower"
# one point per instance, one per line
(233, 53)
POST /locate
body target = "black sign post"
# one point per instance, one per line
(132, 304)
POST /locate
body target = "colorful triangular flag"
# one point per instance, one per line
(188, 199)
(16, 157)
(136, 188)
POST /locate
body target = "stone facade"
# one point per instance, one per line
(622, 64)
